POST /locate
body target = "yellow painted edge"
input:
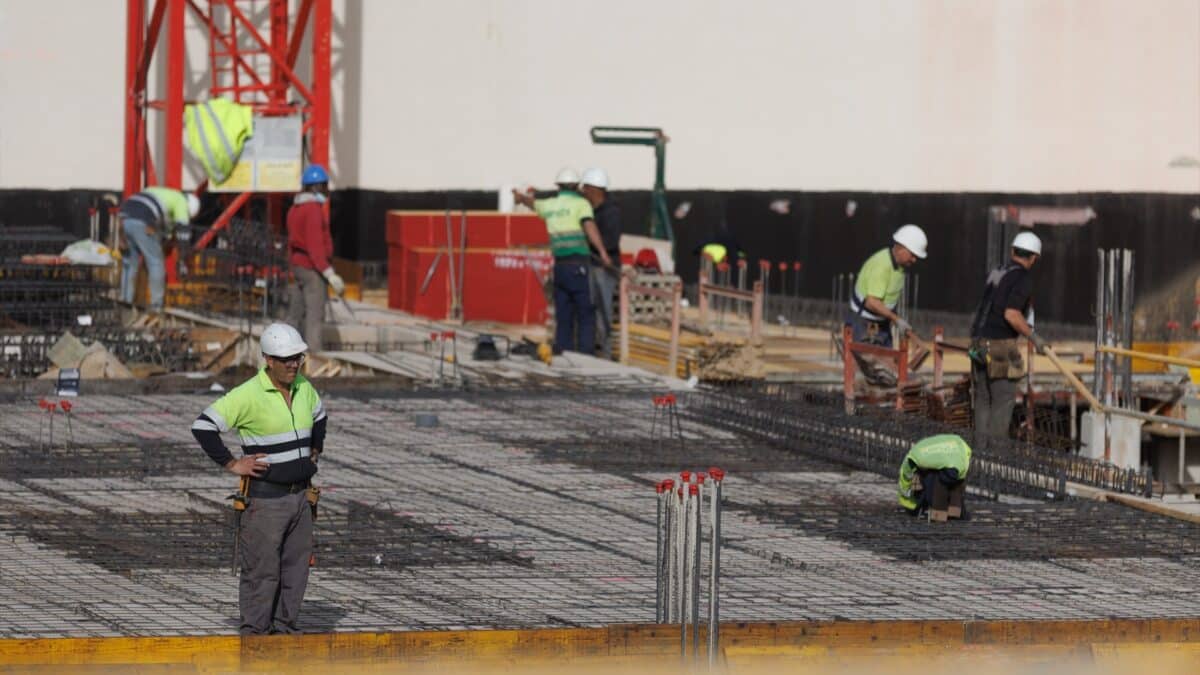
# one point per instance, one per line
(620, 640)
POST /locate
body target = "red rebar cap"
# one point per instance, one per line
(46, 405)
(669, 399)
(741, 262)
(1196, 324)
(680, 491)
(717, 474)
(1172, 325)
(765, 264)
(685, 476)
(723, 267)
(782, 267)
(433, 336)
(693, 490)
(91, 210)
(660, 487)
(66, 405)
(448, 335)
(668, 484)
(796, 266)
(700, 478)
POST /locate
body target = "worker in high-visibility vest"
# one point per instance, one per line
(880, 283)
(281, 422)
(571, 225)
(937, 464)
(147, 218)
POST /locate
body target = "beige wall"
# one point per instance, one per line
(1010, 95)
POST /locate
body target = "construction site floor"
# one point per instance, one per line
(529, 509)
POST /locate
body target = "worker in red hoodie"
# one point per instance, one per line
(310, 254)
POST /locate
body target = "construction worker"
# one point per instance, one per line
(878, 287)
(604, 277)
(571, 225)
(933, 477)
(720, 248)
(281, 422)
(310, 248)
(147, 218)
(1003, 314)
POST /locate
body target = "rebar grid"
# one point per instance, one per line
(531, 509)
(874, 439)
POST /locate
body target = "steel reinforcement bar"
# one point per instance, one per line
(814, 422)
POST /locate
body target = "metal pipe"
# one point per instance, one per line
(450, 262)
(1098, 367)
(1182, 457)
(1127, 326)
(682, 556)
(714, 567)
(660, 503)
(697, 490)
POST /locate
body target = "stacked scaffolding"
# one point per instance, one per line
(39, 292)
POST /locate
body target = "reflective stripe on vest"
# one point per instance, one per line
(231, 123)
(858, 306)
(151, 203)
(287, 456)
(214, 170)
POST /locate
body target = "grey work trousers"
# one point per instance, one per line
(604, 285)
(994, 400)
(276, 544)
(306, 305)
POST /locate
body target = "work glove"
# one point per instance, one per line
(335, 281)
(904, 326)
(1039, 342)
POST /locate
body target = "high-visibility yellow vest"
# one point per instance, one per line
(260, 414)
(715, 251)
(944, 451)
(564, 214)
(215, 132)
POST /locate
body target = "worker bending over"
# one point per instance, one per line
(571, 224)
(878, 287)
(147, 218)
(281, 422)
(933, 477)
(310, 255)
(1004, 313)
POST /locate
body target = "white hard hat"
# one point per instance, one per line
(596, 177)
(1028, 241)
(567, 176)
(281, 340)
(912, 238)
(193, 205)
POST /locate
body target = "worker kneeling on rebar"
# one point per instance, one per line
(933, 477)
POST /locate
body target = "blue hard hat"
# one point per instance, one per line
(313, 174)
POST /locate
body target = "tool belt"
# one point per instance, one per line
(268, 490)
(1001, 358)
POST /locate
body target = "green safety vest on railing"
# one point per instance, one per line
(215, 132)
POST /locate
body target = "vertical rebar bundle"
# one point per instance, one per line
(679, 563)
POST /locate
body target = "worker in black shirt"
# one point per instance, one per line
(604, 277)
(1002, 316)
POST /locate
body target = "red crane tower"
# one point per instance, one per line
(244, 66)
